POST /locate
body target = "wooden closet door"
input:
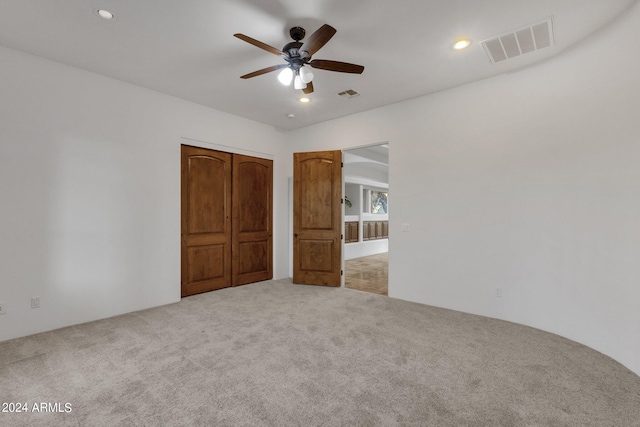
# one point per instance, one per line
(252, 223)
(206, 220)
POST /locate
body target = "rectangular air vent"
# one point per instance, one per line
(350, 93)
(523, 40)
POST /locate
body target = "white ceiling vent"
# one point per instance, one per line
(349, 93)
(518, 42)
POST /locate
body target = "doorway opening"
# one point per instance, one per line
(366, 218)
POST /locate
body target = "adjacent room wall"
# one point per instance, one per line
(90, 191)
(527, 182)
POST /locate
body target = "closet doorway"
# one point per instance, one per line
(226, 220)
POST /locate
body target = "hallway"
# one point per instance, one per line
(369, 274)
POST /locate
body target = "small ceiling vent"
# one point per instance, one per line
(349, 93)
(523, 40)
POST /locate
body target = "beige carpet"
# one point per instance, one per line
(278, 354)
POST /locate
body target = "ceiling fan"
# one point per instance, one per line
(297, 55)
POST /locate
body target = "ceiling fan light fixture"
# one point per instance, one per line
(285, 76)
(306, 75)
(298, 83)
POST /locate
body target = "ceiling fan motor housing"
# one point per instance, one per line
(292, 48)
(297, 33)
(292, 51)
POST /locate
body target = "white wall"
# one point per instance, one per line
(366, 171)
(365, 248)
(527, 181)
(90, 191)
(354, 194)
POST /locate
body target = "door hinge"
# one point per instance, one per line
(342, 201)
(342, 272)
(342, 237)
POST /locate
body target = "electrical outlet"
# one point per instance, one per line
(35, 302)
(498, 292)
(3, 310)
(405, 227)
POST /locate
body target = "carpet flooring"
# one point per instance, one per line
(279, 354)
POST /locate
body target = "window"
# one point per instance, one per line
(375, 201)
(379, 202)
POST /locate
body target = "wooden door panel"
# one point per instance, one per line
(316, 255)
(253, 257)
(316, 196)
(252, 219)
(206, 181)
(206, 221)
(317, 218)
(205, 262)
(252, 179)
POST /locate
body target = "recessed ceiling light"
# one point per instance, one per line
(304, 100)
(461, 43)
(291, 116)
(105, 14)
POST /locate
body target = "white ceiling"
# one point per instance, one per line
(367, 165)
(186, 48)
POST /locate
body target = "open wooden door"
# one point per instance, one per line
(317, 218)
(252, 223)
(206, 220)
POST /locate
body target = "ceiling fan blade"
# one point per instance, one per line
(317, 40)
(259, 44)
(264, 71)
(308, 89)
(341, 67)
